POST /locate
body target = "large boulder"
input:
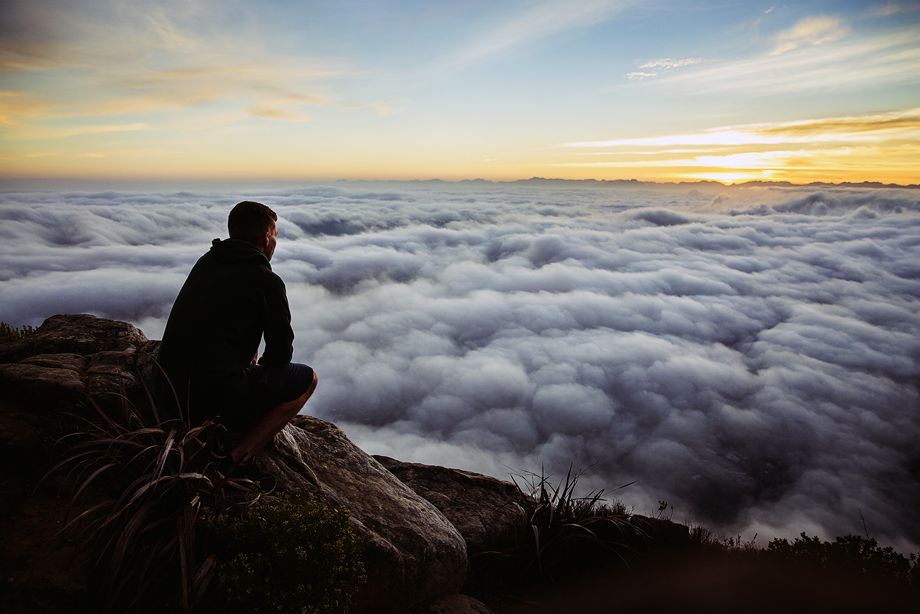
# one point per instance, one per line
(487, 512)
(414, 553)
(81, 334)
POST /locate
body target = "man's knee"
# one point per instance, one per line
(312, 385)
(302, 399)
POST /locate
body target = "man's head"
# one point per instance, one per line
(254, 223)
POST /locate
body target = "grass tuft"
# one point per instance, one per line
(562, 535)
(140, 484)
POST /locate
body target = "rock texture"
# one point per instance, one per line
(457, 604)
(414, 553)
(486, 511)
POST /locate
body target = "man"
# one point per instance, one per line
(229, 301)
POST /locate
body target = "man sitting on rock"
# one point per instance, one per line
(209, 350)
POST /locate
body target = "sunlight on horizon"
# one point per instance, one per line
(732, 178)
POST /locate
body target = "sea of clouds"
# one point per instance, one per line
(749, 355)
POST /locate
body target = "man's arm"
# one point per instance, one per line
(279, 337)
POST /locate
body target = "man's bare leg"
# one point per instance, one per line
(269, 425)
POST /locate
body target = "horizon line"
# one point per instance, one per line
(533, 179)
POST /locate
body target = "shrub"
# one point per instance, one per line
(14, 333)
(563, 534)
(850, 553)
(284, 556)
(702, 538)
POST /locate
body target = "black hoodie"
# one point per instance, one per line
(230, 299)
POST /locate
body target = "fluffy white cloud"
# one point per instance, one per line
(749, 354)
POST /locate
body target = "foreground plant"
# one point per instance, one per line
(285, 557)
(561, 534)
(141, 483)
(567, 531)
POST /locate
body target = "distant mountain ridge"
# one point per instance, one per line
(550, 181)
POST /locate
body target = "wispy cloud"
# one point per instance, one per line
(272, 112)
(543, 20)
(661, 64)
(905, 123)
(68, 131)
(668, 63)
(853, 62)
(16, 105)
(809, 32)
(868, 144)
(192, 85)
(894, 8)
(640, 75)
(144, 59)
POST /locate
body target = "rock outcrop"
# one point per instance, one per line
(486, 511)
(414, 552)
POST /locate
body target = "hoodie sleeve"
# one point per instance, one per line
(279, 337)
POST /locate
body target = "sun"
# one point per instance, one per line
(732, 176)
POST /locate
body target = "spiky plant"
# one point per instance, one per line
(561, 533)
(140, 483)
(567, 532)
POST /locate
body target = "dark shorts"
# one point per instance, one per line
(256, 390)
(269, 386)
(237, 400)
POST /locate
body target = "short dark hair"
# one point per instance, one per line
(250, 221)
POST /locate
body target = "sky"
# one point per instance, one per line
(749, 354)
(608, 89)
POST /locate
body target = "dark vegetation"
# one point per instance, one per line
(850, 554)
(168, 524)
(563, 535)
(583, 553)
(10, 333)
(286, 557)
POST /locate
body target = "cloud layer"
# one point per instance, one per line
(750, 355)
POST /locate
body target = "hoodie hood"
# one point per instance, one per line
(237, 250)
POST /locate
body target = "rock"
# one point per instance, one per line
(486, 511)
(45, 381)
(74, 334)
(659, 534)
(662, 528)
(414, 553)
(41, 572)
(457, 604)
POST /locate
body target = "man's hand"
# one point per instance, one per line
(255, 358)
